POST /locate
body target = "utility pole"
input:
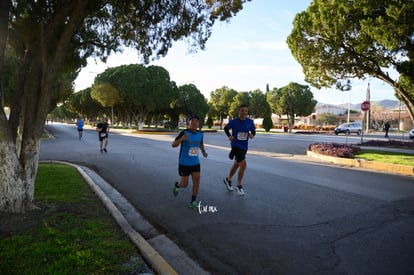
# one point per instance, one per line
(369, 110)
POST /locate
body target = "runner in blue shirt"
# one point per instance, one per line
(243, 129)
(191, 141)
(79, 123)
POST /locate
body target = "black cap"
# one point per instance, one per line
(193, 116)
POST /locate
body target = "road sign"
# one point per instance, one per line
(365, 106)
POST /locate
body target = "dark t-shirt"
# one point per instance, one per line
(103, 128)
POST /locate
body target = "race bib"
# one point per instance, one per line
(103, 134)
(242, 135)
(193, 151)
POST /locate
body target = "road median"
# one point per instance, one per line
(366, 164)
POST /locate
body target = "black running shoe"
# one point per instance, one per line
(228, 184)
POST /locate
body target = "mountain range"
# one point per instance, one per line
(386, 103)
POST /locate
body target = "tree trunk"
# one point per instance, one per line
(16, 183)
(4, 19)
(20, 135)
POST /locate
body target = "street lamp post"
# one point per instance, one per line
(368, 113)
(345, 88)
(349, 105)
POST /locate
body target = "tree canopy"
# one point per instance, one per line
(190, 101)
(292, 100)
(221, 99)
(135, 89)
(52, 40)
(342, 39)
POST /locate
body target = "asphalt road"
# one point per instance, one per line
(299, 216)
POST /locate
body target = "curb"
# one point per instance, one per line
(156, 261)
(407, 170)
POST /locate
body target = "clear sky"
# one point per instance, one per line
(245, 54)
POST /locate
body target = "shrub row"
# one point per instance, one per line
(334, 149)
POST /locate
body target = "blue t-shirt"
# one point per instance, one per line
(240, 130)
(80, 124)
(190, 147)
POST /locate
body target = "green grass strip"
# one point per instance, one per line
(387, 157)
(72, 234)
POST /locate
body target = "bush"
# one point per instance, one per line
(209, 122)
(334, 149)
(267, 123)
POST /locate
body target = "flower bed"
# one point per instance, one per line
(334, 149)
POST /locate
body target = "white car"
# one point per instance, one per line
(348, 128)
(411, 134)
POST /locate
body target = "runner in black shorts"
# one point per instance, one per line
(103, 130)
(238, 154)
(191, 141)
(242, 129)
(185, 171)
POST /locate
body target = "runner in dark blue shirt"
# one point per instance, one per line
(191, 141)
(243, 129)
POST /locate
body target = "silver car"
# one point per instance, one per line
(348, 128)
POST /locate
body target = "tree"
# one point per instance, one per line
(107, 95)
(163, 91)
(131, 81)
(240, 99)
(209, 122)
(327, 119)
(258, 105)
(271, 98)
(9, 75)
(4, 14)
(83, 104)
(53, 40)
(141, 89)
(191, 102)
(267, 123)
(221, 99)
(335, 40)
(293, 100)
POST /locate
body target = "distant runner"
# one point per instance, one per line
(103, 130)
(79, 123)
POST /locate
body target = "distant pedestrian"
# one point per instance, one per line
(386, 128)
(79, 123)
(191, 141)
(243, 129)
(103, 130)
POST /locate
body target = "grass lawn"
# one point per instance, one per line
(387, 157)
(72, 233)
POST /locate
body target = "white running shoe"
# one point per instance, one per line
(240, 191)
(228, 184)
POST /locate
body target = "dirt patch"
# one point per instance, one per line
(11, 223)
(14, 223)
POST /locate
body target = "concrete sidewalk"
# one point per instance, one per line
(162, 254)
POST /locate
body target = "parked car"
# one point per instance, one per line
(411, 134)
(348, 128)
